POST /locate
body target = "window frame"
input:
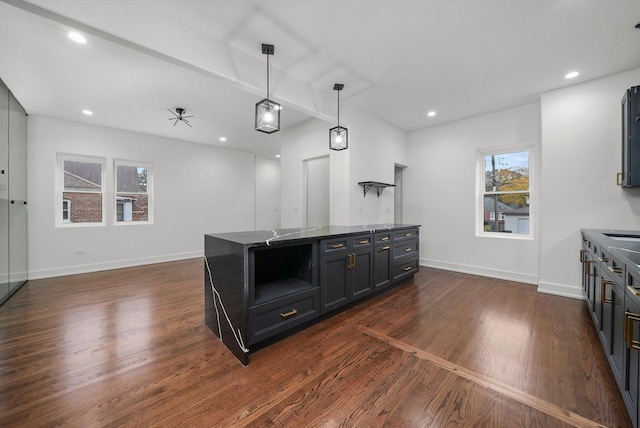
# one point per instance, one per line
(481, 192)
(60, 189)
(149, 192)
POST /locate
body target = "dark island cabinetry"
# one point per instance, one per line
(611, 288)
(264, 283)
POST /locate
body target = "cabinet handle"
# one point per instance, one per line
(364, 241)
(384, 238)
(603, 259)
(291, 313)
(589, 262)
(407, 234)
(619, 179)
(615, 270)
(336, 246)
(603, 290)
(408, 249)
(407, 268)
(353, 257)
(386, 247)
(582, 254)
(629, 318)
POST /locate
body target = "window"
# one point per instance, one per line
(505, 193)
(80, 190)
(133, 192)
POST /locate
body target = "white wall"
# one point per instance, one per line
(581, 154)
(198, 189)
(440, 194)
(376, 147)
(267, 194)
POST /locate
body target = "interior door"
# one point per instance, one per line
(317, 190)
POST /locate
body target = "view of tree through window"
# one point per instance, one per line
(506, 193)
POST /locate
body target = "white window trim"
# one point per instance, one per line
(480, 193)
(60, 158)
(149, 193)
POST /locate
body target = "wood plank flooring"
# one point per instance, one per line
(129, 348)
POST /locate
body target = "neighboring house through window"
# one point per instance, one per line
(80, 190)
(133, 183)
(504, 183)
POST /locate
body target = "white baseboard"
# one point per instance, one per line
(543, 287)
(560, 290)
(118, 264)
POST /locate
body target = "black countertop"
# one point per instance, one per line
(625, 244)
(268, 237)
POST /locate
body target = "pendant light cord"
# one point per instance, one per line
(268, 77)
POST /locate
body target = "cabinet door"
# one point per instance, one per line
(382, 266)
(595, 296)
(632, 358)
(617, 332)
(362, 272)
(606, 320)
(334, 281)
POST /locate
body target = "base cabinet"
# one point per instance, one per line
(611, 287)
(346, 270)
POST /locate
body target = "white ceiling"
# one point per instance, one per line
(398, 59)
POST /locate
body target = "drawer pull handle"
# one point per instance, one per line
(582, 256)
(629, 318)
(407, 268)
(603, 259)
(386, 247)
(603, 290)
(384, 238)
(407, 234)
(406, 250)
(619, 179)
(615, 270)
(364, 241)
(336, 246)
(291, 313)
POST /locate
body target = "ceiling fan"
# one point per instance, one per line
(179, 116)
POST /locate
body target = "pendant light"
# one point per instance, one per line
(338, 135)
(267, 111)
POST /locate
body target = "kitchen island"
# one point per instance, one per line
(260, 284)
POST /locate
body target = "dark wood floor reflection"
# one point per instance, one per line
(129, 348)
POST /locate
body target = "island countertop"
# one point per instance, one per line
(625, 244)
(274, 236)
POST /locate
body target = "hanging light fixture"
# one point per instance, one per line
(267, 111)
(338, 135)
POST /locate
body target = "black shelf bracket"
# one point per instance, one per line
(367, 185)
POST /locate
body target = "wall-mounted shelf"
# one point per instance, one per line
(367, 185)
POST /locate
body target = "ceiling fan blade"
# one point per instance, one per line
(184, 117)
(173, 113)
(187, 122)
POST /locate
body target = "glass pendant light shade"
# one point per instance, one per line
(267, 116)
(338, 135)
(267, 111)
(338, 138)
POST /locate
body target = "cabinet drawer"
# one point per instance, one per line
(404, 269)
(361, 240)
(279, 315)
(337, 245)
(382, 237)
(405, 249)
(403, 234)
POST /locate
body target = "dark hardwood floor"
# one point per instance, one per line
(129, 348)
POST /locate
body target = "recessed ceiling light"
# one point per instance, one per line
(223, 139)
(431, 113)
(571, 75)
(77, 37)
(87, 112)
(277, 156)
